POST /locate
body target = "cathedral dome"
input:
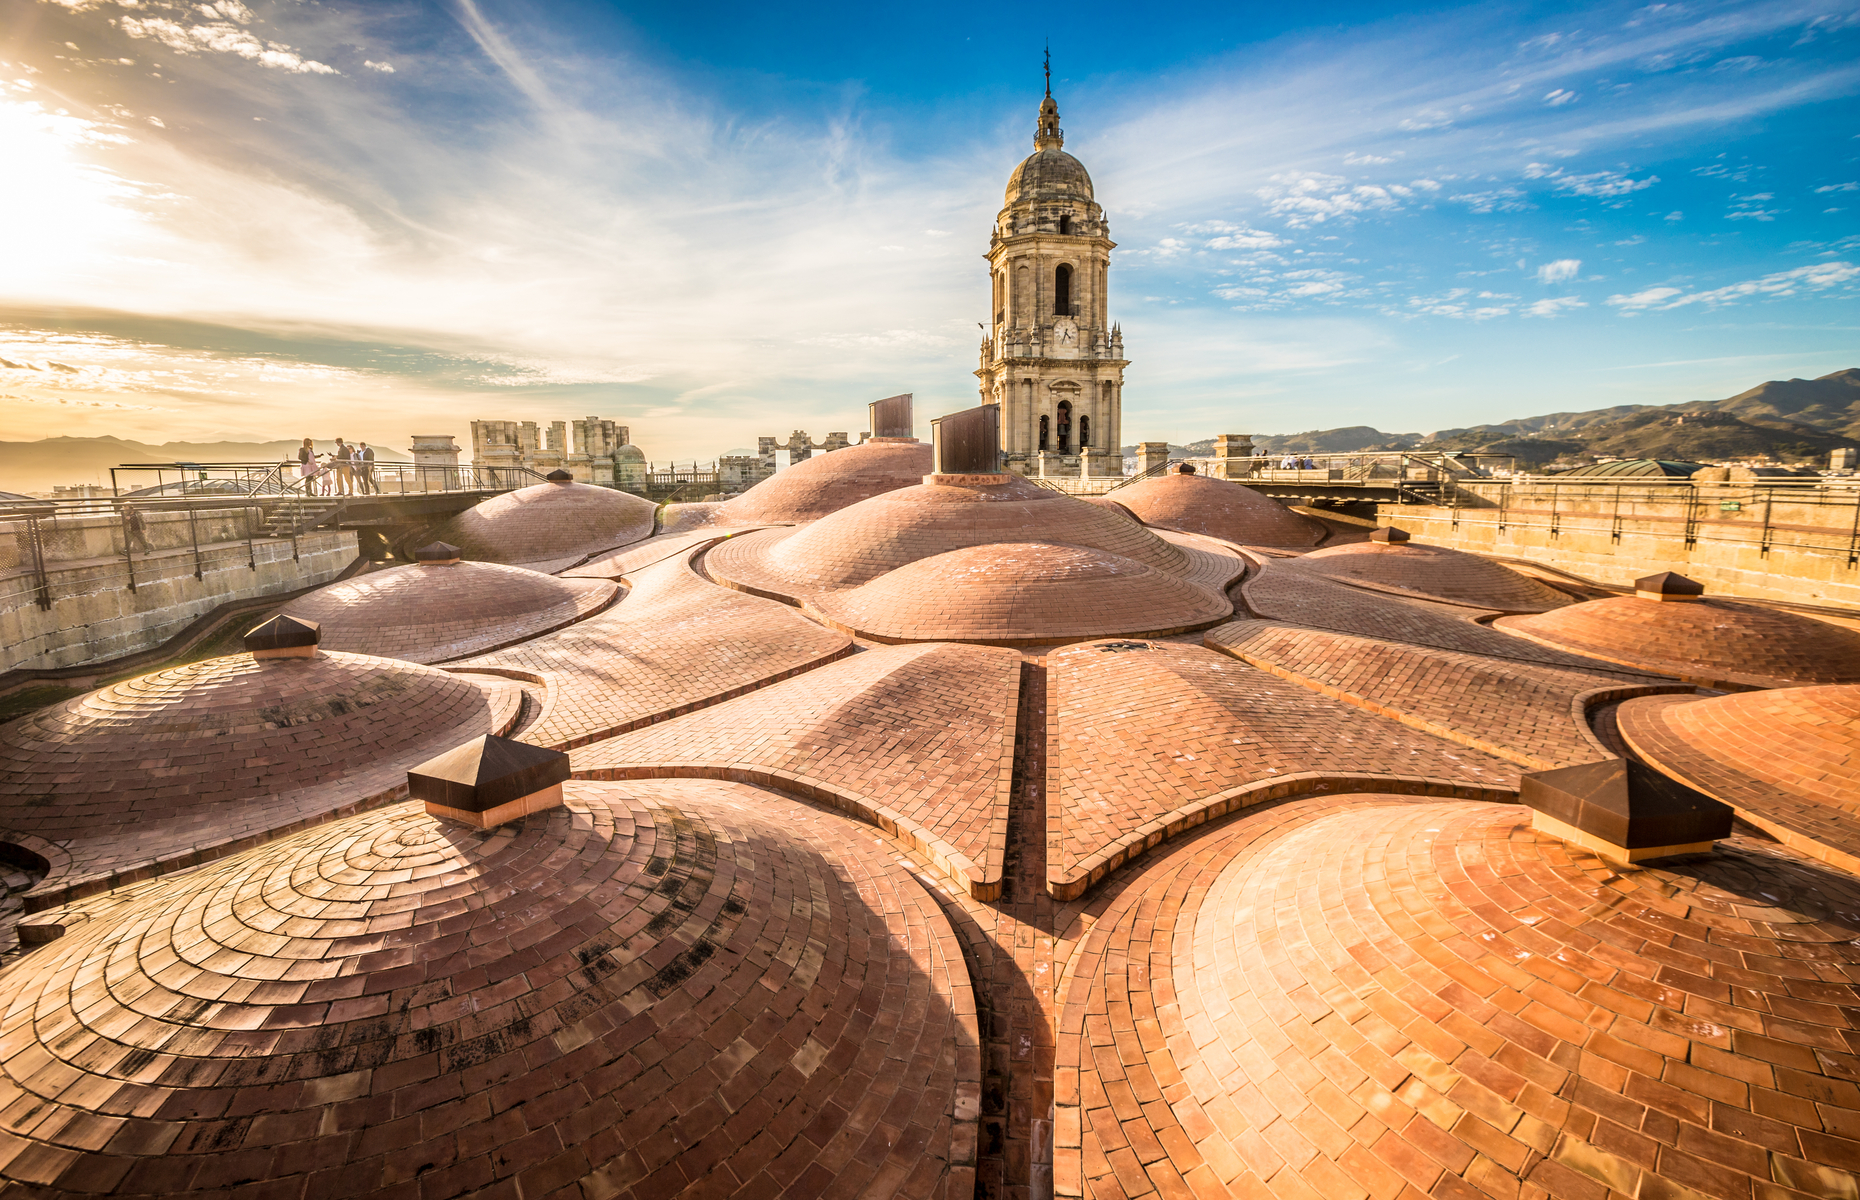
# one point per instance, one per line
(1048, 174)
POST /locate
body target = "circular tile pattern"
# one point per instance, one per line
(1432, 996)
(432, 614)
(696, 991)
(206, 753)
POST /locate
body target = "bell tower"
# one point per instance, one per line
(1052, 360)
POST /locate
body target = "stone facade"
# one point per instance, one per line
(95, 614)
(589, 456)
(1052, 359)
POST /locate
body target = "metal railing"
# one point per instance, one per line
(1381, 470)
(382, 477)
(1777, 513)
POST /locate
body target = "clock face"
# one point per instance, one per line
(1065, 331)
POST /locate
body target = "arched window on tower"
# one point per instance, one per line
(1065, 225)
(1062, 291)
(1084, 432)
(1065, 426)
(1043, 431)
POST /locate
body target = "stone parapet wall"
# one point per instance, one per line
(1737, 539)
(95, 614)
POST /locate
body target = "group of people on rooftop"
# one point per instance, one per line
(345, 471)
(1293, 462)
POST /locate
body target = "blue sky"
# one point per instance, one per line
(289, 218)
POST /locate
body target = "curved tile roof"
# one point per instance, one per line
(547, 522)
(918, 739)
(1433, 572)
(654, 991)
(857, 544)
(165, 769)
(827, 483)
(430, 614)
(1787, 759)
(1219, 508)
(1021, 593)
(1356, 996)
(1709, 641)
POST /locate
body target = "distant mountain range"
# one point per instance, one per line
(1787, 419)
(50, 462)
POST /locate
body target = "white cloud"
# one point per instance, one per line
(1750, 208)
(1561, 270)
(1818, 277)
(1229, 236)
(1638, 301)
(1597, 183)
(1430, 118)
(1559, 97)
(222, 38)
(1554, 307)
(1507, 199)
(1356, 160)
(1838, 187)
(386, 68)
(1305, 199)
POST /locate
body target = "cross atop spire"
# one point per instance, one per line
(1049, 135)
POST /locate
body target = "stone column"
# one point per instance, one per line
(1152, 456)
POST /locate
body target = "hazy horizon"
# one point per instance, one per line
(281, 220)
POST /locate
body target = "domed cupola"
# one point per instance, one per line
(1050, 191)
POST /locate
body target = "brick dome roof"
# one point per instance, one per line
(1432, 999)
(1787, 759)
(827, 483)
(547, 521)
(1710, 641)
(1432, 571)
(1022, 593)
(646, 994)
(1198, 504)
(432, 614)
(206, 753)
(861, 542)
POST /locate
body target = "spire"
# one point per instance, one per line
(1048, 134)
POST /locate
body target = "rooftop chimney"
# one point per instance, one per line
(559, 476)
(284, 636)
(1390, 534)
(437, 554)
(1667, 586)
(1623, 810)
(967, 446)
(891, 419)
(490, 780)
